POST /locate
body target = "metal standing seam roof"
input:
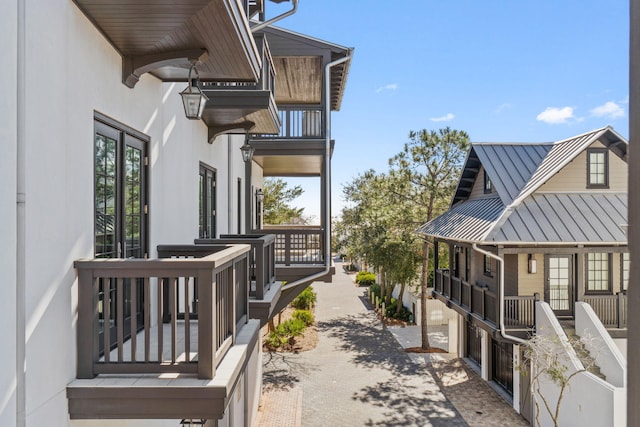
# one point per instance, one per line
(565, 218)
(466, 221)
(562, 153)
(519, 216)
(510, 166)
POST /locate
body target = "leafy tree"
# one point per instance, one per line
(545, 359)
(429, 166)
(277, 196)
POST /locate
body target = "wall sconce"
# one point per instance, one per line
(192, 97)
(260, 195)
(533, 264)
(247, 150)
(190, 422)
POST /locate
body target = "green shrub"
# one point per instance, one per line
(285, 333)
(364, 278)
(305, 315)
(391, 309)
(305, 300)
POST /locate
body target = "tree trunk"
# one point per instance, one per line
(400, 295)
(423, 297)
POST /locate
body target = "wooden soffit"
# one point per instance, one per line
(162, 36)
(298, 79)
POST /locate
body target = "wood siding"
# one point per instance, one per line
(573, 177)
(529, 284)
(477, 191)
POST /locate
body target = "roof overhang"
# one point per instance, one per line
(288, 158)
(299, 61)
(162, 37)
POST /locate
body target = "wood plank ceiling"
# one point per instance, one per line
(144, 27)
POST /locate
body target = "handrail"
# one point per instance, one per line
(123, 299)
(294, 246)
(299, 122)
(262, 271)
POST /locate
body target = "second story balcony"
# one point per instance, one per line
(244, 105)
(162, 338)
(519, 310)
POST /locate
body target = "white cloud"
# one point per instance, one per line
(502, 107)
(390, 86)
(446, 118)
(554, 115)
(609, 109)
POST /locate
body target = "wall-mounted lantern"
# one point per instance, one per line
(533, 264)
(193, 98)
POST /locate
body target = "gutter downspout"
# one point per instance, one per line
(21, 201)
(277, 18)
(327, 174)
(501, 286)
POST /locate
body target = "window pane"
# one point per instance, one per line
(598, 272)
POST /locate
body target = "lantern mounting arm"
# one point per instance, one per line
(214, 131)
(135, 66)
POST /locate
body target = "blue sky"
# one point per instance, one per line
(501, 70)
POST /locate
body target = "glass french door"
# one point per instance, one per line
(120, 221)
(559, 289)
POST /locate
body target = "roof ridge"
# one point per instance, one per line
(541, 176)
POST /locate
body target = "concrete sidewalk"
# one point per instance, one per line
(359, 374)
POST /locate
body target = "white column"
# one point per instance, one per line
(486, 355)
(516, 378)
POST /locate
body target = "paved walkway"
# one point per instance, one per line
(359, 375)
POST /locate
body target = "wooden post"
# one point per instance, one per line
(206, 324)
(87, 338)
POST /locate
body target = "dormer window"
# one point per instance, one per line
(488, 186)
(597, 168)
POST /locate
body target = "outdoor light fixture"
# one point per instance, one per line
(247, 150)
(190, 422)
(533, 264)
(192, 97)
(260, 195)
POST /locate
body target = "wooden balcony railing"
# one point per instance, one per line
(299, 123)
(121, 307)
(266, 81)
(297, 245)
(262, 268)
(611, 309)
(519, 311)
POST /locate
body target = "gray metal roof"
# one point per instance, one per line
(467, 221)
(510, 166)
(593, 218)
(562, 153)
(521, 216)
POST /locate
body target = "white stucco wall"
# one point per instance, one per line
(72, 71)
(8, 134)
(588, 399)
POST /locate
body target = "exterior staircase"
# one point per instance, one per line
(588, 361)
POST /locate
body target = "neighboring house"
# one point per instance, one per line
(111, 314)
(534, 222)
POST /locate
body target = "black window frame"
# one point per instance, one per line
(609, 289)
(207, 202)
(488, 185)
(488, 266)
(590, 152)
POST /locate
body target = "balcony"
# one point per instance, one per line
(264, 291)
(298, 148)
(466, 298)
(243, 105)
(519, 311)
(162, 338)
